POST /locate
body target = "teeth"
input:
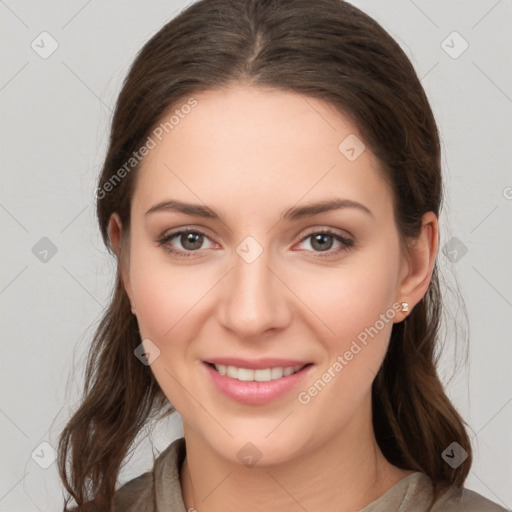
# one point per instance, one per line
(288, 371)
(263, 375)
(260, 375)
(276, 373)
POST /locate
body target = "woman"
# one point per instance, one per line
(271, 193)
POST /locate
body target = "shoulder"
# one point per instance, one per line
(414, 493)
(136, 495)
(465, 500)
(155, 490)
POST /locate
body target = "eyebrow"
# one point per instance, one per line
(293, 213)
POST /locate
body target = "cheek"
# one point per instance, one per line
(168, 307)
(351, 298)
(355, 304)
(165, 295)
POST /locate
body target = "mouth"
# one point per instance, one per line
(265, 382)
(256, 375)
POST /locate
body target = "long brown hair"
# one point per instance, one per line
(326, 49)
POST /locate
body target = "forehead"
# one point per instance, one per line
(258, 146)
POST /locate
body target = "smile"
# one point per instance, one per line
(259, 375)
(256, 386)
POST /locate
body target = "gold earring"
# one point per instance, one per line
(405, 306)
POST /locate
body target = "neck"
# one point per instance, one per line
(349, 465)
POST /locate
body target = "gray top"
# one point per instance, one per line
(159, 490)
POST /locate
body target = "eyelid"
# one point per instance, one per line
(343, 237)
(328, 230)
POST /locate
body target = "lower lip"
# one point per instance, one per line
(253, 392)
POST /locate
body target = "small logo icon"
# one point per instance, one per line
(44, 250)
(454, 45)
(44, 455)
(249, 455)
(147, 352)
(351, 147)
(454, 455)
(44, 45)
(454, 249)
(249, 249)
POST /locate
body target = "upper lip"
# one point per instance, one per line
(256, 364)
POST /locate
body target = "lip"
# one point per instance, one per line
(253, 392)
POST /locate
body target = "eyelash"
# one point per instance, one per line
(346, 243)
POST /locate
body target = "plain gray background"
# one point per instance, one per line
(54, 128)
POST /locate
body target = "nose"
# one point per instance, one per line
(254, 298)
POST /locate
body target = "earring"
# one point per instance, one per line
(405, 306)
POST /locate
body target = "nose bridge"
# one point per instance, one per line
(253, 301)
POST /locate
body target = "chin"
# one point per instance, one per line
(253, 447)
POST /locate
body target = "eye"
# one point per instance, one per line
(323, 241)
(190, 241)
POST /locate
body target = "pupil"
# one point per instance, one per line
(192, 241)
(320, 242)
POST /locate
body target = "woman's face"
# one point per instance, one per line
(256, 285)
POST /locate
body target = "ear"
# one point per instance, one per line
(418, 263)
(115, 233)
